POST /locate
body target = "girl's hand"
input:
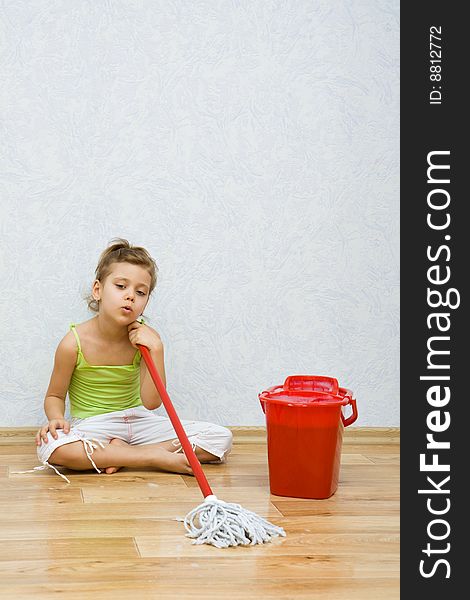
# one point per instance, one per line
(139, 333)
(53, 424)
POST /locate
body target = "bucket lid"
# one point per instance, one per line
(307, 398)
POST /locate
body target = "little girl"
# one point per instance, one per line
(111, 392)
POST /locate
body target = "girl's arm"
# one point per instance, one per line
(148, 391)
(54, 402)
(64, 365)
(139, 333)
(54, 407)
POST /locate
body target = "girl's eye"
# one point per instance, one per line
(120, 285)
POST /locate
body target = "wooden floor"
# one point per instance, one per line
(118, 537)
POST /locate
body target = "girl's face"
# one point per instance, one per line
(125, 292)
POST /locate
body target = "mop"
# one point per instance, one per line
(214, 522)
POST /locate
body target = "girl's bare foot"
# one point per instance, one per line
(162, 458)
(172, 462)
(117, 442)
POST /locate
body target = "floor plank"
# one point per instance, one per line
(197, 588)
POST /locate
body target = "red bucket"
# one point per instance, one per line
(305, 423)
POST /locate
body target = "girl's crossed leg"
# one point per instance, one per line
(134, 438)
(153, 456)
(202, 455)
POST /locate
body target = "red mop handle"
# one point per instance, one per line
(183, 438)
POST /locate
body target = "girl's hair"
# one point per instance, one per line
(120, 250)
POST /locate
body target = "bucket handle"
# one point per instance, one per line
(317, 383)
(352, 417)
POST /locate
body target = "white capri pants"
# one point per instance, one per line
(136, 426)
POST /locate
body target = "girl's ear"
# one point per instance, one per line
(95, 288)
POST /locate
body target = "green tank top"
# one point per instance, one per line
(98, 389)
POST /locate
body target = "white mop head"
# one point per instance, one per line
(223, 524)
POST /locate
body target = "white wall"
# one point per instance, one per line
(252, 147)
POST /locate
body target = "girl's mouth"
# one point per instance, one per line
(127, 310)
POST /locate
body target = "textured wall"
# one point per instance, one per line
(252, 147)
